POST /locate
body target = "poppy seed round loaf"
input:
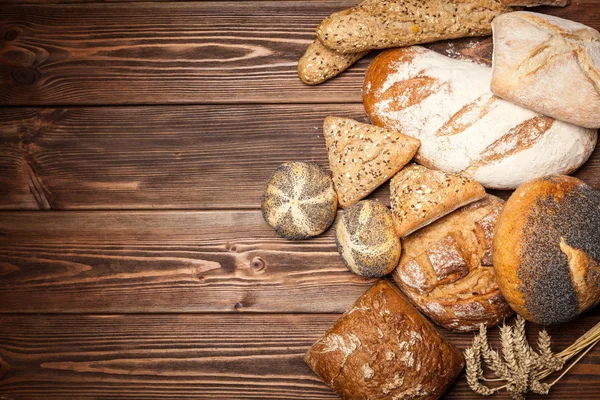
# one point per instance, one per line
(366, 239)
(300, 200)
(547, 249)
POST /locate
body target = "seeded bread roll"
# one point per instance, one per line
(547, 249)
(420, 195)
(378, 24)
(319, 63)
(363, 156)
(366, 239)
(300, 201)
(446, 268)
(383, 349)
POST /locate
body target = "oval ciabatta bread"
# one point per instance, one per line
(463, 127)
(546, 249)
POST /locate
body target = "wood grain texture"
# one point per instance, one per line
(204, 356)
(167, 157)
(189, 52)
(124, 262)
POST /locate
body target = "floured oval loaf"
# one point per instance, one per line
(300, 201)
(446, 268)
(366, 239)
(547, 249)
(463, 127)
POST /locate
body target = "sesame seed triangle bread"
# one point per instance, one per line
(380, 24)
(319, 63)
(420, 195)
(363, 156)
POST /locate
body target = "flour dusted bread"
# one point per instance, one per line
(420, 195)
(548, 64)
(446, 268)
(363, 156)
(319, 63)
(383, 349)
(547, 249)
(366, 239)
(463, 127)
(300, 201)
(379, 24)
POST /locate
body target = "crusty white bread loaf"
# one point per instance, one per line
(384, 349)
(380, 24)
(446, 268)
(319, 63)
(535, 3)
(463, 127)
(548, 64)
(546, 249)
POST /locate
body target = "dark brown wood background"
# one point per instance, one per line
(135, 141)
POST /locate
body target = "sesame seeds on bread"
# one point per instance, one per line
(319, 63)
(546, 249)
(420, 195)
(299, 201)
(366, 239)
(363, 156)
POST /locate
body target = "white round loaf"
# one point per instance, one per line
(447, 104)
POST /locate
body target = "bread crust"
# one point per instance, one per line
(383, 348)
(535, 3)
(546, 249)
(463, 127)
(446, 269)
(319, 64)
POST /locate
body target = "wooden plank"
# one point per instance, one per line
(124, 262)
(204, 356)
(189, 52)
(167, 157)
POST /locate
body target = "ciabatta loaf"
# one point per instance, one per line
(548, 64)
(463, 127)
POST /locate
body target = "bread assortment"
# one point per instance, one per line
(446, 268)
(366, 239)
(299, 201)
(363, 156)
(382, 349)
(462, 257)
(447, 104)
(547, 249)
(539, 60)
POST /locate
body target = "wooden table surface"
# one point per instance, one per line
(135, 141)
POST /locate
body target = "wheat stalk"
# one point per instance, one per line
(522, 368)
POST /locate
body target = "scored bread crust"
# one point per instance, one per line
(319, 63)
(539, 59)
(446, 268)
(546, 249)
(419, 196)
(379, 24)
(463, 127)
(383, 348)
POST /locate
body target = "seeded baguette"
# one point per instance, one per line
(319, 63)
(380, 24)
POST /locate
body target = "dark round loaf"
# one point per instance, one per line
(547, 249)
(300, 201)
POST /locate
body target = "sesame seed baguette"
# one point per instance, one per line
(319, 63)
(380, 24)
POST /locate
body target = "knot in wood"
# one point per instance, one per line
(11, 34)
(258, 264)
(24, 75)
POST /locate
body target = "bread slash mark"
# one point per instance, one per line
(468, 115)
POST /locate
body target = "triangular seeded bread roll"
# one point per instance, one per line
(363, 156)
(421, 195)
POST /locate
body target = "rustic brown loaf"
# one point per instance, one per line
(540, 59)
(363, 156)
(535, 3)
(383, 349)
(379, 24)
(420, 195)
(547, 249)
(446, 268)
(319, 63)
(366, 239)
(463, 127)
